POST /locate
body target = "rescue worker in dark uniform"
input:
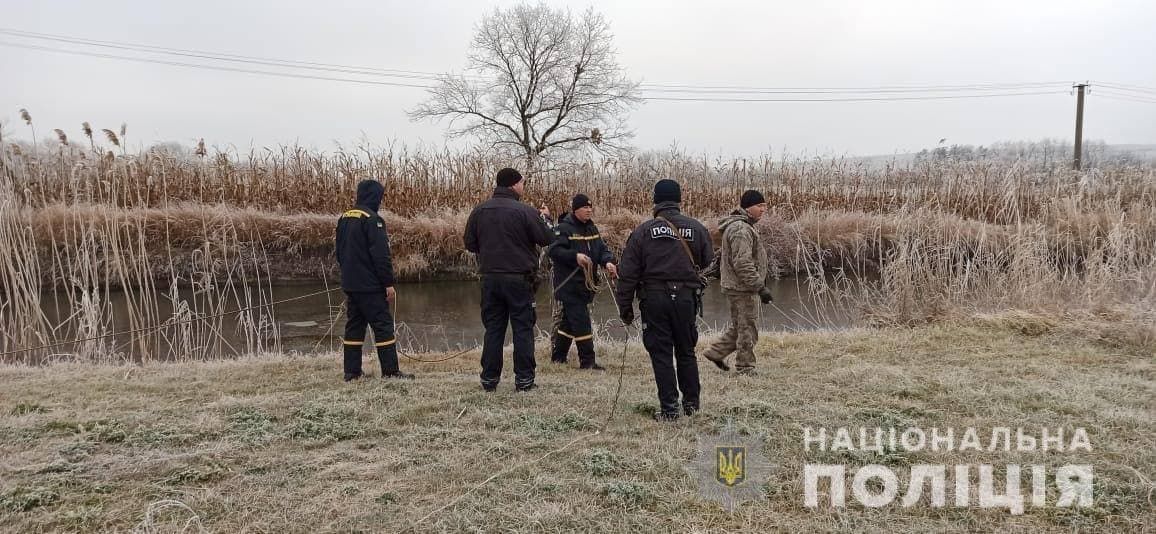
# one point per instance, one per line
(504, 233)
(577, 246)
(367, 279)
(663, 271)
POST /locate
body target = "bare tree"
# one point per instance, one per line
(538, 79)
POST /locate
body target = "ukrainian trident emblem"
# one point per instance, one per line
(731, 468)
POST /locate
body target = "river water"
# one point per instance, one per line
(441, 316)
(436, 316)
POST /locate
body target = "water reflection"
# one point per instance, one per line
(438, 316)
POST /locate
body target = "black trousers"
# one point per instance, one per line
(575, 328)
(508, 299)
(669, 334)
(369, 309)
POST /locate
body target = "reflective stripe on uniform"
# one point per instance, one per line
(355, 214)
(585, 237)
(575, 338)
(386, 343)
(352, 343)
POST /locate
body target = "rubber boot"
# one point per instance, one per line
(586, 356)
(352, 362)
(387, 357)
(560, 348)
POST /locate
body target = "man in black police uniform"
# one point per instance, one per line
(504, 232)
(663, 270)
(367, 278)
(577, 246)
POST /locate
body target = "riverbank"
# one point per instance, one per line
(278, 443)
(190, 243)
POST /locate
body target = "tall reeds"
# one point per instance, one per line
(941, 234)
(294, 180)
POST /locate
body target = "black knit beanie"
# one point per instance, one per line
(751, 198)
(508, 177)
(580, 201)
(667, 190)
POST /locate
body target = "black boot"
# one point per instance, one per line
(352, 362)
(559, 348)
(667, 412)
(387, 357)
(586, 356)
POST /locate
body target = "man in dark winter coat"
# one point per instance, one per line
(367, 279)
(504, 232)
(577, 248)
(660, 265)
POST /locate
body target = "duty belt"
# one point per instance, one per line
(509, 276)
(674, 288)
(665, 286)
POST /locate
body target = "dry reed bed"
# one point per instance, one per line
(294, 180)
(945, 236)
(300, 245)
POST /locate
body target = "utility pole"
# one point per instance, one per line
(1079, 125)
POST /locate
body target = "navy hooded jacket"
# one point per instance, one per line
(363, 244)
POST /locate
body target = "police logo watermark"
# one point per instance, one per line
(877, 486)
(731, 468)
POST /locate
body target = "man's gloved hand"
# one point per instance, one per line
(627, 317)
(765, 295)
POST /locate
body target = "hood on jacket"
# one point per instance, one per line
(738, 215)
(506, 192)
(666, 206)
(369, 193)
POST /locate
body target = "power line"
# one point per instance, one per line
(983, 92)
(432, 76)
(1129, 86)
(1127, 95)
(1130, 89)
(838, 90)
(853, 99)
(395, 84)
(225, 56)
(213, 67)
(1122, 96)
(1120, 99)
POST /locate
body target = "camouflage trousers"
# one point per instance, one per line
(741, 334)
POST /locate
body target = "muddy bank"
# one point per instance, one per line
(196, 244)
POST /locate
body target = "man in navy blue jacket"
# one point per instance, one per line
(367, 279)
(577, 247)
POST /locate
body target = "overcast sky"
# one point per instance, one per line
(767, 44)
